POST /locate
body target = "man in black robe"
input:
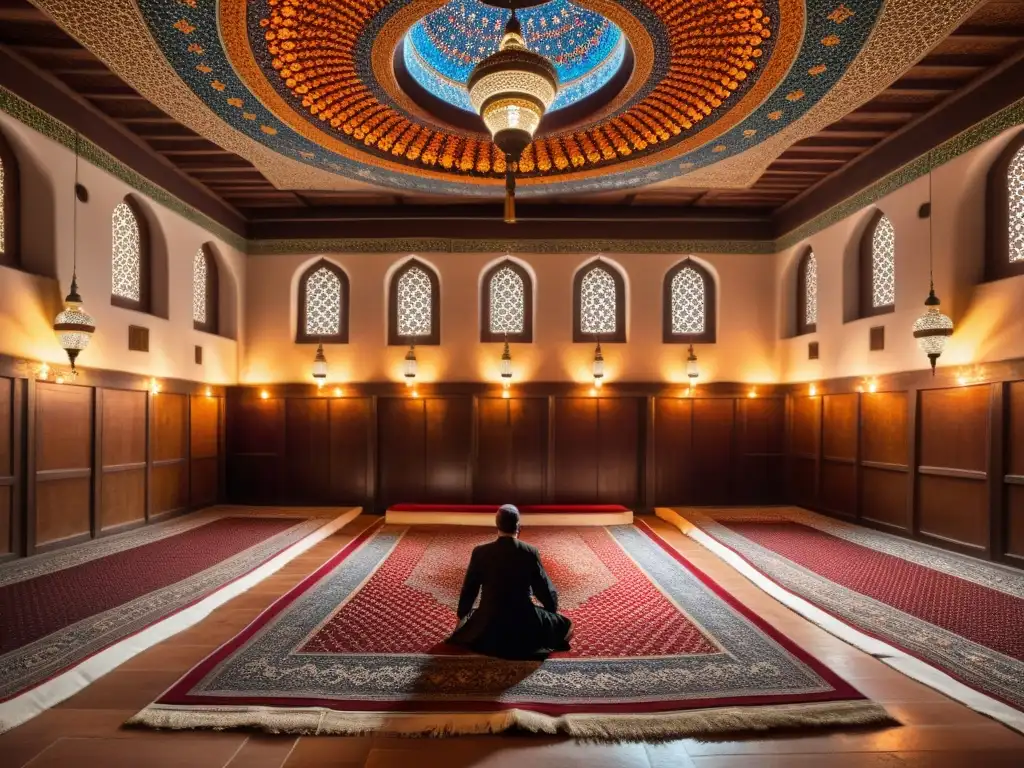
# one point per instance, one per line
(508, 624)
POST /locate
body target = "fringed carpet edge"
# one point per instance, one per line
(597, 727)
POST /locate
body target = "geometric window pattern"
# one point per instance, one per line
(323, 303)
(811, 290)
(414, 303)
(199, 278)
(687, 301)
(507, 301)
(1015, 181)
(127, 256)
(597, 302)
(883, 264)
(3, 191)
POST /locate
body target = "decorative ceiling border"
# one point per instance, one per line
(38, 120)
(41, 122)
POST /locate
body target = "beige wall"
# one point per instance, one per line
(745, 349)
(988, 317)
(30, 299)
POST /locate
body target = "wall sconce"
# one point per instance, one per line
(873, 386)
(598, 366)
(264, 395)
(320, 367)
(691, 368)
(209, 392)
(154, 386)
(410, 366)
(812, 390)
(337, 391)
(43, 372)
(752, 392)
(506, 366)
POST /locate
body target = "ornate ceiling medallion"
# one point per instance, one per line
(692, 82)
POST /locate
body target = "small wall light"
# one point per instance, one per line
(410, 366)
(691, 368)
(264, 395)
(209, 392)
(320, 367)
(598, 367)
(506, 366)
(154, 386)
(752, 392)
(813, 390)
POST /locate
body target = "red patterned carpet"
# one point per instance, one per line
(60, 610)
(945, 618)
(660, 650)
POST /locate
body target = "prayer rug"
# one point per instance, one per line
(70, 616)
(948, 620)
(659, 650)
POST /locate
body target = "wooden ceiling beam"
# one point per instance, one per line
(978, 32)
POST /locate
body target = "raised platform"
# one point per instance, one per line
(483, 514)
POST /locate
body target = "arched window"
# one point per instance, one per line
(807, 294)
(130, 257)
(205, 291)
(599, 304)
(688, 308)
(507, 303)
(414, 305)
(323, 304)
(1005, 241)
(10, 197)
(878, 267)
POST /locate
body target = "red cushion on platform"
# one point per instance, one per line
(550, 509)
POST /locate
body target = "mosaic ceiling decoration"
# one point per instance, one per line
(314, 81)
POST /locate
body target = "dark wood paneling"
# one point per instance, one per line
(204, 450)
(802, 481)
(1015, 521)
(307, 452)
(122, 458)
(713, 422)
(1015, 429)
(954, 427)
(576, 437)
(839, 427)
(806, 426)
(63, 462)
(6, 466)
(954, 509)
(6, 519)
(170, 488)
(255, 439)
(351, 427)
(401, 425)
(673, 450)
(760, 449)
(619, 451)
(884, 497)
(838, 492)
(204, 482)
(448, 449)
(169, 434)
(512, 436)
(883, 418)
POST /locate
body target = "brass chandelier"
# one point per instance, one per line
(511, 90)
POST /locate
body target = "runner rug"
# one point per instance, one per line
(70, 616)
(950, 621)
(660, 650)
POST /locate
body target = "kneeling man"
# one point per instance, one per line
(508, 623)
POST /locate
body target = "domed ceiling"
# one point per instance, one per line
(372, 90)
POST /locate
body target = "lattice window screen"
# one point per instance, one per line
(507, 299)
(127, 254)
(598, 302)
(883, 264)
(811, 290)
(688, 301)
(1015, 181)
(323, 303)
(414, 303)
(199, 278)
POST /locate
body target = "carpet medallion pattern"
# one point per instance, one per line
(358, 647)
(956, 613)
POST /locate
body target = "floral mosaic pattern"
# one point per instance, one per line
(598, 302)
(811, 290)
(688, 308)
(127, 254)
(883, 264)
(414, 303)
(199, 278)
(1015, 184)
(323, 303)
(507, 301)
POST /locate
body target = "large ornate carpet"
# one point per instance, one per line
(660, 650)
(70, 616)
(950, 621)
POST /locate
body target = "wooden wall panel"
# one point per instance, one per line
(713, 423)
(307, 453)
(63, 462)
(839, 427)
(122, 458)
(805, 427)
(838, 490)
(351, 427)
(448, 449)
(760, 450)
(673, 451)
(169, 433)
(512, 446)
(1014, 490)
(204, 450)
(7, 523)
(801, 481)
(954, 509)
(884, 498)
(255, 443)
(620, 459)
(954, 428)
(1015, 522)
(401, 444)
(883, 417)
(575, 451)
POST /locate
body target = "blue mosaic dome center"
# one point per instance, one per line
(441, 49)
